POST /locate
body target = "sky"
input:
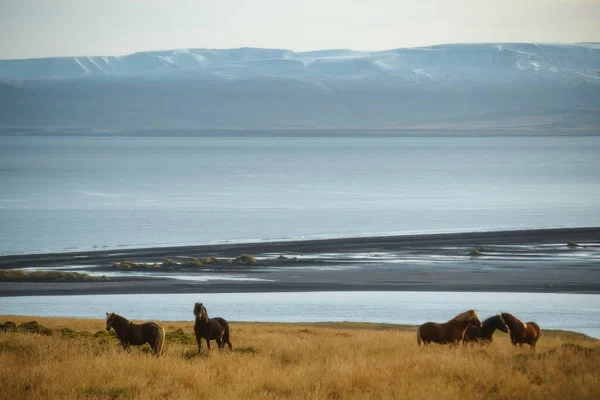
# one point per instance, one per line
(54, 28)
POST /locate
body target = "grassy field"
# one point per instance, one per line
(298, 361)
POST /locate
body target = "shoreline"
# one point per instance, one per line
(424, 262)
(171, 286)
(539, 236)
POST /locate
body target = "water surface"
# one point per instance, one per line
(575, 312)
(80, 193)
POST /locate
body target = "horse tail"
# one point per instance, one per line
(419, 336)
(160, 341)
(226, 337)
(537, 330)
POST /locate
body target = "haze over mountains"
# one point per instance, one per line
(504, 87)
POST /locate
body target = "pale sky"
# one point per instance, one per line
(51, 28)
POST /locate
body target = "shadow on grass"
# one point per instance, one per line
(107, 392)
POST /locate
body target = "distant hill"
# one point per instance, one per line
(517, 87)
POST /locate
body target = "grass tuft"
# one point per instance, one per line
(35, 327)
(15, 275)
(245, 259)
(179, 336)
(194, 262)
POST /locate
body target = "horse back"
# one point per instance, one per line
(429, 331)
(223, 324)
(447, 332)
(139, 334)
(211, 329)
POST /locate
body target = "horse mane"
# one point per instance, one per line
(501, 318)
(466, 316)
(490, 319)
(512, 318)
(117, 317)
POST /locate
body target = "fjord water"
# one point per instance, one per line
(575, 312)
(80, 193)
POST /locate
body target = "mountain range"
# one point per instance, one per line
(498, 87)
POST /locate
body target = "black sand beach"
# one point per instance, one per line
(508, 261)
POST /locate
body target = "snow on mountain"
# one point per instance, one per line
(456, 63)
(513, 86)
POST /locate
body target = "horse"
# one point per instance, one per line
(521, 332)
(451, 332)
(210, 328)
(484, 334)
(129, 333)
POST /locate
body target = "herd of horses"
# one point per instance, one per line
(465, 327)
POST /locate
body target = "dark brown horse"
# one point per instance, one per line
(452, 331)
(210, 328)
(521, 332)
(136, 334)
(484, 334)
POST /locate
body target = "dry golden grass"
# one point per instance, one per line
(298, 361)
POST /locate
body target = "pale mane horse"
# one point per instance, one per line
(129, 333)
(522, 332)
(451, 332)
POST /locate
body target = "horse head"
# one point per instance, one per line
(513, 323)
(199, 310)
(109, 320)
(500, 324)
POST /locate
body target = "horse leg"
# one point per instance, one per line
(207, 342)
(125, 345)
(199, 340)
(532, 344)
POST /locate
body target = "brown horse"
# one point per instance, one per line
(129, 333)
(210, 328)
(521, 332)
(452, 331)
(484, 334)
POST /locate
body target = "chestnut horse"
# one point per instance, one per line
(210, 328)
(521, 332)
(484, 334)
(129, 333)
(452, 331)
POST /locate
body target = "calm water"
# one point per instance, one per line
(576, 312)
(64, 193)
